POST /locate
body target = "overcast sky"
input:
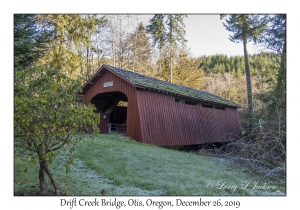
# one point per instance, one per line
(206, 35)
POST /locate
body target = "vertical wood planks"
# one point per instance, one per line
(155, 118)
(167, 123)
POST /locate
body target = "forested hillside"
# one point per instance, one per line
(225, 76)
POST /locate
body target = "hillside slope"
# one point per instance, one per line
(116, 165)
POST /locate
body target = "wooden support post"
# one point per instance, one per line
(112, 107)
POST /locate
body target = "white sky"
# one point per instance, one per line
(206, 35)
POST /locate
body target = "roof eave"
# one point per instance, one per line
(106, 67)
(102, 68)
(196, 99)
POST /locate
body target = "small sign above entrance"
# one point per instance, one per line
(108, 84)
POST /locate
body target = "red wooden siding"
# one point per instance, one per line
(166, 123)
(156, 118)
(103, 126)
(132, 121)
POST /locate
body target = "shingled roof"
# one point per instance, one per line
(164, 87)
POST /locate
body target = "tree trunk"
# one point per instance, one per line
(42, 177)
(135, 47)
(281, 80)
(88, 62)
(120, 44)
(44, 169)
(171, 42)
(53, 182)
(171, 73)
(248, 78)
(283, 58)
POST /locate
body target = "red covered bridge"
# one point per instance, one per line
(158, 112)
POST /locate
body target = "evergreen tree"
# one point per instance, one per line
(71, 44)
(163, 65)
(167, 29)
(238, 73)
(245, 28)
(157, 30)
(186, 69)
(227, 66)
(30, 41)
(274, 38)
(141, 51)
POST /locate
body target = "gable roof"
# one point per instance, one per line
(153, 84)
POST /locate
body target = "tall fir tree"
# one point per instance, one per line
(71, 42)
(30, 41)
(141, 52)
(245, 28)
(168, 31)
(157, 30)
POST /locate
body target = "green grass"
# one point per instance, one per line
(117, 165)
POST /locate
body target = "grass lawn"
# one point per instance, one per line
(116, 165)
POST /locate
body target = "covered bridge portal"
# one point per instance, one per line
(158, 112)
